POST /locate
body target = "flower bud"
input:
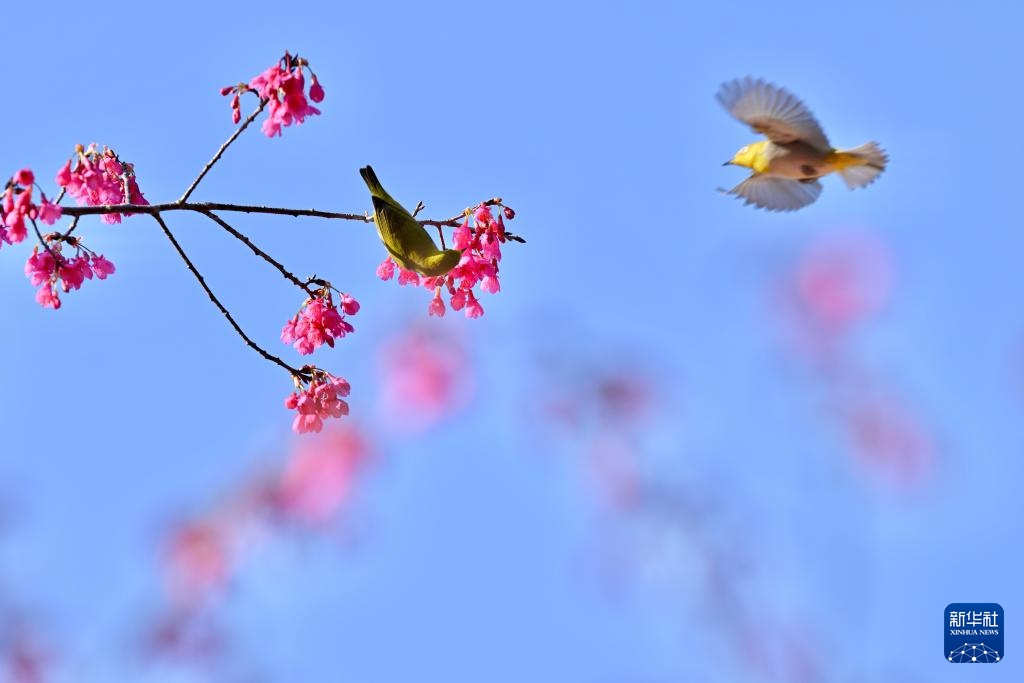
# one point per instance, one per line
(316, 91)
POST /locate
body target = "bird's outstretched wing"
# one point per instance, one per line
(772, 111)
(776, 194)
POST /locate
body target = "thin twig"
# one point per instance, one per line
(216, 302)
(454, 221)
(220, 152)
(74, 224)
(259, 252)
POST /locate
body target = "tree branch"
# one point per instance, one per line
(206, 207)
(259, 252)
(220, 152)
(203, 207)
(216, 302)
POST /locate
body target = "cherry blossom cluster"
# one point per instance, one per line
(479, 238)
(19, 207)
(319, 322)
(283, 88)
(317, 399)
(204, 553)
(52, 272)
(48, 268)
(98, 178)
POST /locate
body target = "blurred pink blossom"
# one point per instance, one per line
(888, 439)
(319, 476)
(425, 376)
(198, 557)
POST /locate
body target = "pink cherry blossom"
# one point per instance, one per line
(39, 267)
(490, 284)
(25, 177)
(64, 174)
(53, 272)
(386, 270)
(102, 268)
(319, 322)
(473, 307)
(48, 213)
(408, 277)
(316, 400)
(17, 207)
(74, 273)
(458, 299)
(283, 88)
(437, 305)
(47, 297)
(100, 178)
(349, 305)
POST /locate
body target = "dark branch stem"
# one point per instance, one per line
(203, 207)
(220, 152)
(74, 224)
(216, 302)
(259, 252)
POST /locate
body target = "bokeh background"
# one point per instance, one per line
(689, 441)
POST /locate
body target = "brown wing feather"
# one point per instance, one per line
(772, 111)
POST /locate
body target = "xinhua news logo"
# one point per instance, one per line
(974, 632)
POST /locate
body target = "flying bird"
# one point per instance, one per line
(786, 167)
(403, 236)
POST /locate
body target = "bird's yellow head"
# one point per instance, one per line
(747, 156)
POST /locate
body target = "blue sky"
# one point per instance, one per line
(597, 123)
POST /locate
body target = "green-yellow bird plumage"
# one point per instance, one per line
(405, 239)
(786, 167)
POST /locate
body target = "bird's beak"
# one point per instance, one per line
(728, 163)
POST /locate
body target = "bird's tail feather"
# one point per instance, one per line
(859, 166)
(370, 178)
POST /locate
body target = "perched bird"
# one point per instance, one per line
(787, 165)
(405, 239)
